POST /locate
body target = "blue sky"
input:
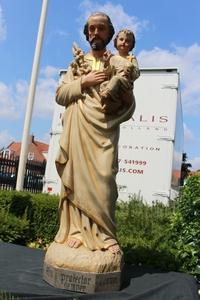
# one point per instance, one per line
(167, 34)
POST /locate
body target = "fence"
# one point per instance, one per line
(33, 180)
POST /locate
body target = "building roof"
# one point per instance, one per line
(194, 173)
(36, 151)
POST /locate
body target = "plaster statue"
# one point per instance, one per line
(87, 162)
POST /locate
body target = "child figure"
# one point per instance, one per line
(126, 71)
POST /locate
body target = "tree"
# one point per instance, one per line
(185, 171)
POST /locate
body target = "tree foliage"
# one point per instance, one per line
(185, 225)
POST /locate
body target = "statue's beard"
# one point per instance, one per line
(97, 44)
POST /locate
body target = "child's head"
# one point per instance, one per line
(124, 41)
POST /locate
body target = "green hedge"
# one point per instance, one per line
(185, 226)
(161, 236)
(14, 202)
(144, 234)
(35, 217)
(44, 217)
(13, 229)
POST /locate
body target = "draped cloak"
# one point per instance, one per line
(87, 161)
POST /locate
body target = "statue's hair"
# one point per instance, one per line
(128, 32)
(111, 28)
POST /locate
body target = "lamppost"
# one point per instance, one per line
(30, 101)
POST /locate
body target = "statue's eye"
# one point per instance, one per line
(101, 28)
(92, 28)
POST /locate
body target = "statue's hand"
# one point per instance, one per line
(93, 78)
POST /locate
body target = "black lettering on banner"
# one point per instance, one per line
(135, 171)
(131, 171)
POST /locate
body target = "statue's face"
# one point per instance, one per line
(124, 43)
(98, 32)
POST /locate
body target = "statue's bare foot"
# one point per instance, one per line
(73, 243)
(114, 248)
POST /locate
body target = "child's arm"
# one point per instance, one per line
(136, 70)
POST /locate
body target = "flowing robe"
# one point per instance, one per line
(87, 162)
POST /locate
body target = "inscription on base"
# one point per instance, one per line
(81, 281)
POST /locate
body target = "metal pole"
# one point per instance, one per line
(30, 101)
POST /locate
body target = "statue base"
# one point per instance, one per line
(81, 281)
(82, 270)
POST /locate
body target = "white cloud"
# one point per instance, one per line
(187, 60)
(3, 29)
(188, 134)
(49, 71)
(59, 33)
(45, 97)
(45, 93)
(119, 17)
(195, 162)
(10, 100)
(5, 138)
(13, 98)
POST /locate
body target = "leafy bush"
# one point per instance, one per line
(41, 210)
(16, 203)
(185, 226)
(13, 229)
(44, 217)
(143, 233)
